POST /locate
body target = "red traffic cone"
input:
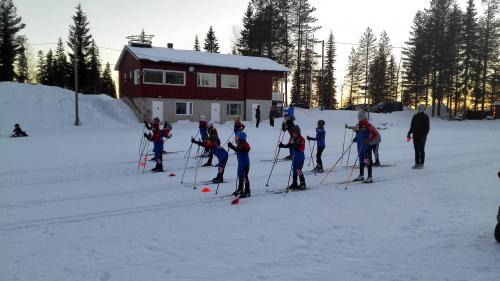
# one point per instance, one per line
(172, 175)
(206, 189)
(235, 201)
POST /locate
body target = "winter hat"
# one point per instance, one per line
(321, 123)
(202, 117)
(421, 108)
(156, 120)
(242, 136)
(210, 123)
(296, 130)
(362, 115)
(16, 125)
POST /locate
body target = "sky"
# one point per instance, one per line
(178, 22)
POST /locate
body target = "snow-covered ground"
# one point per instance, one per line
(73, 207)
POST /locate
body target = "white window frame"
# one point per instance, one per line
(189, 105)
(155, 70)
(174, 71)
(229, 75)
(238, 105)
(207, 73)
(137, 77)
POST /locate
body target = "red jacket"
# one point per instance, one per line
(374, 134)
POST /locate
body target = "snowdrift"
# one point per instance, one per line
(39, 107)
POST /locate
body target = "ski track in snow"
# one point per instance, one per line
(85, 213)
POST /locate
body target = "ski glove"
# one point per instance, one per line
(169, 135)
(308, 138)
(281, 145)
(147, 125)
(147, 136)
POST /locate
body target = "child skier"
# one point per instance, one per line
(366, 138)
(17, 132)
(211, 132)
(219, 152)
(157, 139)
(297, 143)
(238, 126)
(242, 148)
(320, 140)
(203, 127)
(287, 126)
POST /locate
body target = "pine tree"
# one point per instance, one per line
(469, 49)
(22, 72)
(94, 69)
(10, 25)
(246, 40)
(377, 76)
(196, 44)
(79, 41)
(50, 69)
(62, 67)
(41, 69)
(391, 75)
(107, 83)
(329, 88)
(367, 51)
(489, 51)
(211, 44)
(353, 76)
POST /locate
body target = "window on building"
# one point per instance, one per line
(175, 78)
(137, 77)
(233, 109)
(229, 81)
(153, 77)
(184, 108)
(207, 80)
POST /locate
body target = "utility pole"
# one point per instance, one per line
(341, 94)
(75, 59)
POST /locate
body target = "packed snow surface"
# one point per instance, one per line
(74, 207)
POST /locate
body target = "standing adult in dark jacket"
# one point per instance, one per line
(419, 128)
(257, 115)
(271, 116)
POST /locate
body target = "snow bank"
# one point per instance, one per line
(39, 107)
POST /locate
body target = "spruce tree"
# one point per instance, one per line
(79, 41)
(469, 49)
(196, 44)
(367, 51)
(41, 69)
(22, 72)
(353, 76)
(107, 83)
(246, 40)
(62, 67)
(10, 25)
(211, 44)
(329, 88)
(50, 69)
(94, 69)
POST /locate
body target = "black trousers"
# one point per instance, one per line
(258, 121)
(319, 162)
(271, 122)
(367, 161)
(419, 146)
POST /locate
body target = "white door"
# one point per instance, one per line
(157, 110)
(215, 112)
(254, 108)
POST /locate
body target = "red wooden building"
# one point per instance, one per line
(182, 84)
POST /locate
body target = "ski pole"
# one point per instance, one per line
(289, 176)
(196, 169)
(145, 157)
(343, 143)
(187, 159)
(350, 175)
(228, 139)
(274, 163)
(141, 151)
(279, 139)
(312, 151)
(334, 165)
(191, 144)
(142, 140)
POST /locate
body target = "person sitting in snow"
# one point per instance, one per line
(211, 132)
(157, 139)
(242, 148)
(297, 143)
(287, 126)
(238, 126)
(203, 127)
(320, 140)
(219, 152)
(17, 132)
(366, 138)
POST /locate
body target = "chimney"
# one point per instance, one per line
(170, 45)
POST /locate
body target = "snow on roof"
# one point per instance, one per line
(159, 54)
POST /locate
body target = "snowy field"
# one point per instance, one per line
(73, 207)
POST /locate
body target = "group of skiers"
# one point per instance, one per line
(367, 139)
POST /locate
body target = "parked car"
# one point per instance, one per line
(387, 107)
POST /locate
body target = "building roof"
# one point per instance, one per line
(158, 54)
